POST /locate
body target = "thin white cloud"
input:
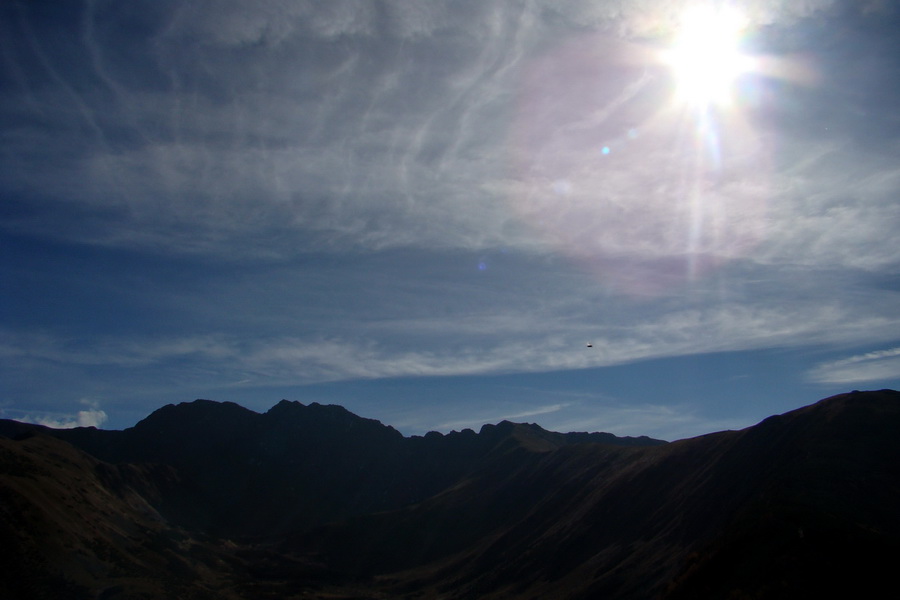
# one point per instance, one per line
(474, 421)
(879, 365)
(668, 422)
(541, 343)
(109, 351)
(641, 18)
(660, 421)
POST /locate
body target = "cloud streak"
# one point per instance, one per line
(528, 347)
(879, 365)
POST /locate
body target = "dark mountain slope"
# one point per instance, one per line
(700, 518)
(824, 520)
(297, 466)
(333, 505)
(74, 527)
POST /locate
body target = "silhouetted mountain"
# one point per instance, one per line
(209, 499)
(298, 466)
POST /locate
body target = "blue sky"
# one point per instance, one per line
(425, 211)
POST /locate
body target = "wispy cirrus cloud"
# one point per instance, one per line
(879, 365)
(326, 145)
(523, 345)
(208, 193)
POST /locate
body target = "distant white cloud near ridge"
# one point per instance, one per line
(84, 418)
(879, 365)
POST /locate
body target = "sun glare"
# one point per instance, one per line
(705, 56)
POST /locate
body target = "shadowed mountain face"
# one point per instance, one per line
(296, 466)
(210, 499)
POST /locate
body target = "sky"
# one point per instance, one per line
(427, 211)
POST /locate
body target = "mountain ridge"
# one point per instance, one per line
(321, 447)
(313, 501)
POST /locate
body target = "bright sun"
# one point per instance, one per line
(705, 56)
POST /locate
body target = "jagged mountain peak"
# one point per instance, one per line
(198, 412)
(212, 415)
(323, 420)
(294, 407)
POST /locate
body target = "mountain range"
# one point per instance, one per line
(212, 500)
